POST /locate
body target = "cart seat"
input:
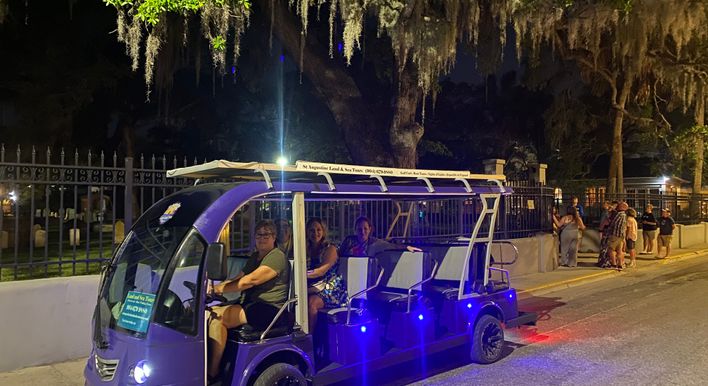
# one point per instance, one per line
(247, 333)
(358, 273)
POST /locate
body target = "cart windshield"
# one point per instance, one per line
(162, 248)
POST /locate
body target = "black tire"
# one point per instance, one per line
(281, 374)
(487, 340)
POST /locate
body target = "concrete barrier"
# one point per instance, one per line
(590, 242)
(690, 235)
(46, 320)
(536, 254)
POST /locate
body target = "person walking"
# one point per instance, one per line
(631, 236)
(603, 260)
(616, 233)
(648, 229)
(569, 227)
(666, 232)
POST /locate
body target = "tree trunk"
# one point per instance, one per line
(405, 132)
(700, 146)
(362, 135)
(615, 183)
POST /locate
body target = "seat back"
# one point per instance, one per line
(452, 262)
(358, 273)
(404, 269)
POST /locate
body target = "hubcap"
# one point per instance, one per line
(492, 340)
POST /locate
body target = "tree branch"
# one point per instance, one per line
(362, 134)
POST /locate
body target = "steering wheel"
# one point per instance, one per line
(209, 298)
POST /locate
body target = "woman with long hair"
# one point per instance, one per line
(569, 227)
(325, 287)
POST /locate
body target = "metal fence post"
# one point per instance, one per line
(128, 201)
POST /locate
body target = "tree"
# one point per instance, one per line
(423, 38)
(683, 71)
(611, 41)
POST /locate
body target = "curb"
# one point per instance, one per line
(567, 283)
(683, 256)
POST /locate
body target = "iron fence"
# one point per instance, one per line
(65, 214)
(685, 208)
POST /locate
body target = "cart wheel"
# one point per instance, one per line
(487, 340)
(281, 374)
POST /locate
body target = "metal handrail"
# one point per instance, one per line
(280, 312)
(350, 298)
(504, 271)
(410, 289)
(516, 252)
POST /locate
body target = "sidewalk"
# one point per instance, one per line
(70, 373)
(587, 272)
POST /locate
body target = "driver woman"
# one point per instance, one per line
(264, 285)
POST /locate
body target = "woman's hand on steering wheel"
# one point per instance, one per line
(215, 293)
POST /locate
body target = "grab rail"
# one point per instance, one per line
(280, 312)
(410, 289)
(350, 298)
(504, 272)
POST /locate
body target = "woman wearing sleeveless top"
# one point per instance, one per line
(570, 226)
(325, 286)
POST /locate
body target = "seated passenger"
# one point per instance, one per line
(284, 237)
(363, 244)
(325, 287)
(264, 283)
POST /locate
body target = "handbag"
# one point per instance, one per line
(316, 287)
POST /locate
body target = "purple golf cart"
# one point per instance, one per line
(402, 305)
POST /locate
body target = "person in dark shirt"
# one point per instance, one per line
(648, 222)
(579, 207)
(666, 231)
(617, 231)
(364, 244)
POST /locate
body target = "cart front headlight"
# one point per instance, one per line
(141, 372)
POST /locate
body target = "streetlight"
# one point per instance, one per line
(282, 161)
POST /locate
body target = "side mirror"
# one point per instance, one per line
(216, 262)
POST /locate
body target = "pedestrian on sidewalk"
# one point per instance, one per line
(604, 217)
(579, 207)
(616, 234)
(603, 260)
(569, 227)
(554, 219)
(648, 229)
(666, 232)
(631, 236)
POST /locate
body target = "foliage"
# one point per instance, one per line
(219, 19)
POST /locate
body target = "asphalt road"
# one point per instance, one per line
(640, 328)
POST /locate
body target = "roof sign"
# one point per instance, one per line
(307, 166)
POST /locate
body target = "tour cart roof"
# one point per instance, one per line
(334, 174)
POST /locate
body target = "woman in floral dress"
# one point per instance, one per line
(325, 287)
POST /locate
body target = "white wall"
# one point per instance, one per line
(690, 235)
(46, 320)
(536, 254)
